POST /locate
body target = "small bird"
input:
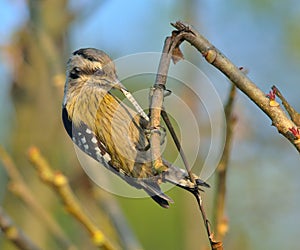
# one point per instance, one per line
(111, 132)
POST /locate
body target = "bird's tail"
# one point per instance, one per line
(173, 175)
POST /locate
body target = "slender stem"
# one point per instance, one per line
(220, 193)
(178, 145)
(295, 116)
(215, 245)
(14, 234)
(60, 184)
(19, 187)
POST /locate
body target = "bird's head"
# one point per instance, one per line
(89, 67)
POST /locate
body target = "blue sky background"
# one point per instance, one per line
(263, 187)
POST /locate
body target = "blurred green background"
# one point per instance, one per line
(36, 39)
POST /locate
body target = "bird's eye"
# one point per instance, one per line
(75, 73)
(99, 72)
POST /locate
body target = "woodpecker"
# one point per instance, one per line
(109, 131)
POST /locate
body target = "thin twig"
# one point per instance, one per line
(219, 221)
(178, 145)
(295, 116)
(116, 216)
(19, 187)
(61, 186)
(14, 234)
(215, 245)
(241, 81)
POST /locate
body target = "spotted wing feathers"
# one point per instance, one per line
(88, 142)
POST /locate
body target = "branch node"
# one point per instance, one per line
(183, 27)
(159, 85)
(210, 55)
(295, 116)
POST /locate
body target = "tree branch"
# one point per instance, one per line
(60, 185)
(178, 145)
(19, 187)
(171, 51)
(156, 103)
(295, 116)
(115, 214)
(14, 234)
(240, 80)
(220, 222)
(215, 245)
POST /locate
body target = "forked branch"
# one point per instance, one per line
(213, 56)
(171, 51)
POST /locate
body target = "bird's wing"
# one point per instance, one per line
(89, 143)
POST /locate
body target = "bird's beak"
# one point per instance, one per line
(118, 85)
